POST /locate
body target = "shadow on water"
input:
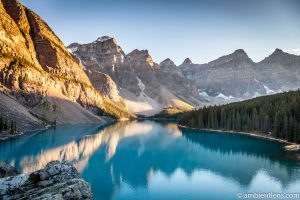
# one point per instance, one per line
(153, 160)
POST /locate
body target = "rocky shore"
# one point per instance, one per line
(58, 180)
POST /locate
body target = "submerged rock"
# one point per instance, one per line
(58, 180)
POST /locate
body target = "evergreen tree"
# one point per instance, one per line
(12, 128)
(5, 126)
(1, 124)
(278, 114)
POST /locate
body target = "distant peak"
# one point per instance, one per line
(187, 61)
(167, 61)
(74, 44)
(277, 51)
(142, 55)
(137, 52)
(103, 38)
(277, 56)
(240, 51)
(240, 54)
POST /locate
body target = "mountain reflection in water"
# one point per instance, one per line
(150, 160)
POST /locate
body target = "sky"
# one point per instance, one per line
(177, 29)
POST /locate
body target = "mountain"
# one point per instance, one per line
(280, 71)
(146, 87)
(230, 75)
(40, 73)
(235, 77)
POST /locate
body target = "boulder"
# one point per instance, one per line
(58, 180)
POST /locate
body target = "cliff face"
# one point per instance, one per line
(100, 58)
(41, 73)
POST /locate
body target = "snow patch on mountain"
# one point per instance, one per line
(268, 90)
(256, 81)
(103, 39)
(73, 49)
(142, 86)
(222, 96)
(203, 94)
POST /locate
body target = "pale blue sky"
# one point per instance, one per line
(201, 30)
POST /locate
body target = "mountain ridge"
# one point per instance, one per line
(229, 78)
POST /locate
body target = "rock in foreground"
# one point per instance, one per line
(58, 180)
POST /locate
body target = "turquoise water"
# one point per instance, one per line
(151, 160)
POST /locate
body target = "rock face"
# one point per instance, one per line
(99, 59)
(58, 180)
(40, 72)
(145, 86)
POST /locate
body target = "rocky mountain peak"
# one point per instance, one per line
(277, 52)
(238, 57)
(105, 39)
(240, 52)
(187, 61)
(137, 52)
(142, 56)
(167, 62)
(279, 57)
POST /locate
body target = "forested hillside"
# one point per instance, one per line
(277, 114)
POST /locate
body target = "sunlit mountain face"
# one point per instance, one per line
(134, 159)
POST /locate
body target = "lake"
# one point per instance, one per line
(157, 160)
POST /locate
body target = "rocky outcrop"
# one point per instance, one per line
(103, 83)
(42, 74)
(58, 180)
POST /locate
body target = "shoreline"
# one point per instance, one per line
(251, 134)
(4, 137)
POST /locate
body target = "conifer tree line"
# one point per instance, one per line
(10, 127)
(278, 115)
